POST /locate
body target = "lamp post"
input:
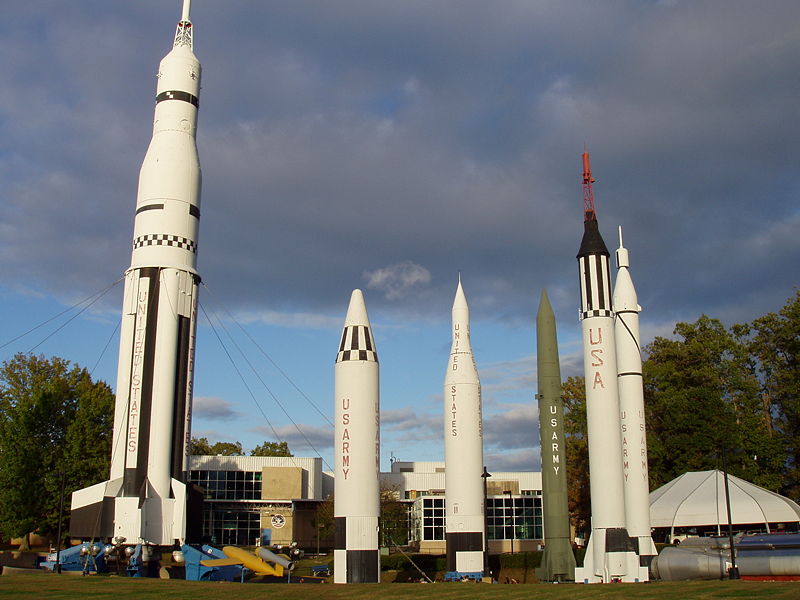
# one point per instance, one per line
(485, 475)
(733, 572)
(511, 506)
(60, 520)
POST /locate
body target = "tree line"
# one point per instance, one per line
(710, 387)
(56, 428)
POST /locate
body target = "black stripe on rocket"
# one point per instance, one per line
(180, 399)
(357, 344)
(178, 95)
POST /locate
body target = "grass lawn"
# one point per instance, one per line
(47, 586)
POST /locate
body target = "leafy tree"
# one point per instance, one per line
(394, 518)
(201, 446)
(701, 393)
(271, 449)
(574, 397)
(323, 522)
(54, 422)
(773, 342)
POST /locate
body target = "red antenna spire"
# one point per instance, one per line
(588, 194)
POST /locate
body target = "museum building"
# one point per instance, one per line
(252, 500)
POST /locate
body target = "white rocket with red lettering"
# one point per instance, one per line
(463, 451)
(145, 499)
(609, 555)
(356, 498)
(631, 406)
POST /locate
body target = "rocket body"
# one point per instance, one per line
(609, 555)
(145, 498)
(463, 451)
(558, 561)
(357, 450)
(632, 416)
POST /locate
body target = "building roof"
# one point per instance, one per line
(698, 498)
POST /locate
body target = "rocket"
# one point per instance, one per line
(609, 555)
(356, 498)
(463, 452)
(144, 499)
(558, 561)
(631, 406)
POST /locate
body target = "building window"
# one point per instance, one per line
(432, 519)
(231, 526)
(228, 485)
(517, 518)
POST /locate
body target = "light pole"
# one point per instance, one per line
(485, 475)
(733, 572)
(60, 520)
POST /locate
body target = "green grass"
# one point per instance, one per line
(56, 587)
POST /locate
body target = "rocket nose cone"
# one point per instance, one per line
(357, 310)
(460, 301)
(544, 302)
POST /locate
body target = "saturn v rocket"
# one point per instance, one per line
(144, 500)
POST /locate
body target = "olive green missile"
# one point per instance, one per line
(558, 561)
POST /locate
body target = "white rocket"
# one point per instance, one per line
(356, 498)
(463, 451)
(631, 406)
(609, 555)
(145, 497)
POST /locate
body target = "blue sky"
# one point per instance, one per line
(390, 146)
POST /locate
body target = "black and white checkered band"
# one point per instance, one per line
(357, 344)
(368, 355)
(596, 313)
(164, 239)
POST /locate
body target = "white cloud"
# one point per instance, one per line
(397, 280)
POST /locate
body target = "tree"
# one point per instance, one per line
(394, 518)
(54, 422)
(773, 342)
(574, 397)
(271, 449)
(202, 447)
(701, 393)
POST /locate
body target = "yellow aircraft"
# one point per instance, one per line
(263, 562)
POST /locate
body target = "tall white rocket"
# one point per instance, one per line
(356, 498)
(145, 497)
(463, 450)
(631, 406)
(609, 555)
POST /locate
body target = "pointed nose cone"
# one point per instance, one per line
(357, 310)
(461, 341)
(460, 308)
(545, 314)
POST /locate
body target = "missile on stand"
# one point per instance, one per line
(145, 499)
(631, 406)
(558, 560)
(356, 499)
(463, 453)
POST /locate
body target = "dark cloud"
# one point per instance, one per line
(352, 138)
(213, 409)
(516, 427)
(303, 440)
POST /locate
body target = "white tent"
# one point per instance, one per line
(698, 498)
